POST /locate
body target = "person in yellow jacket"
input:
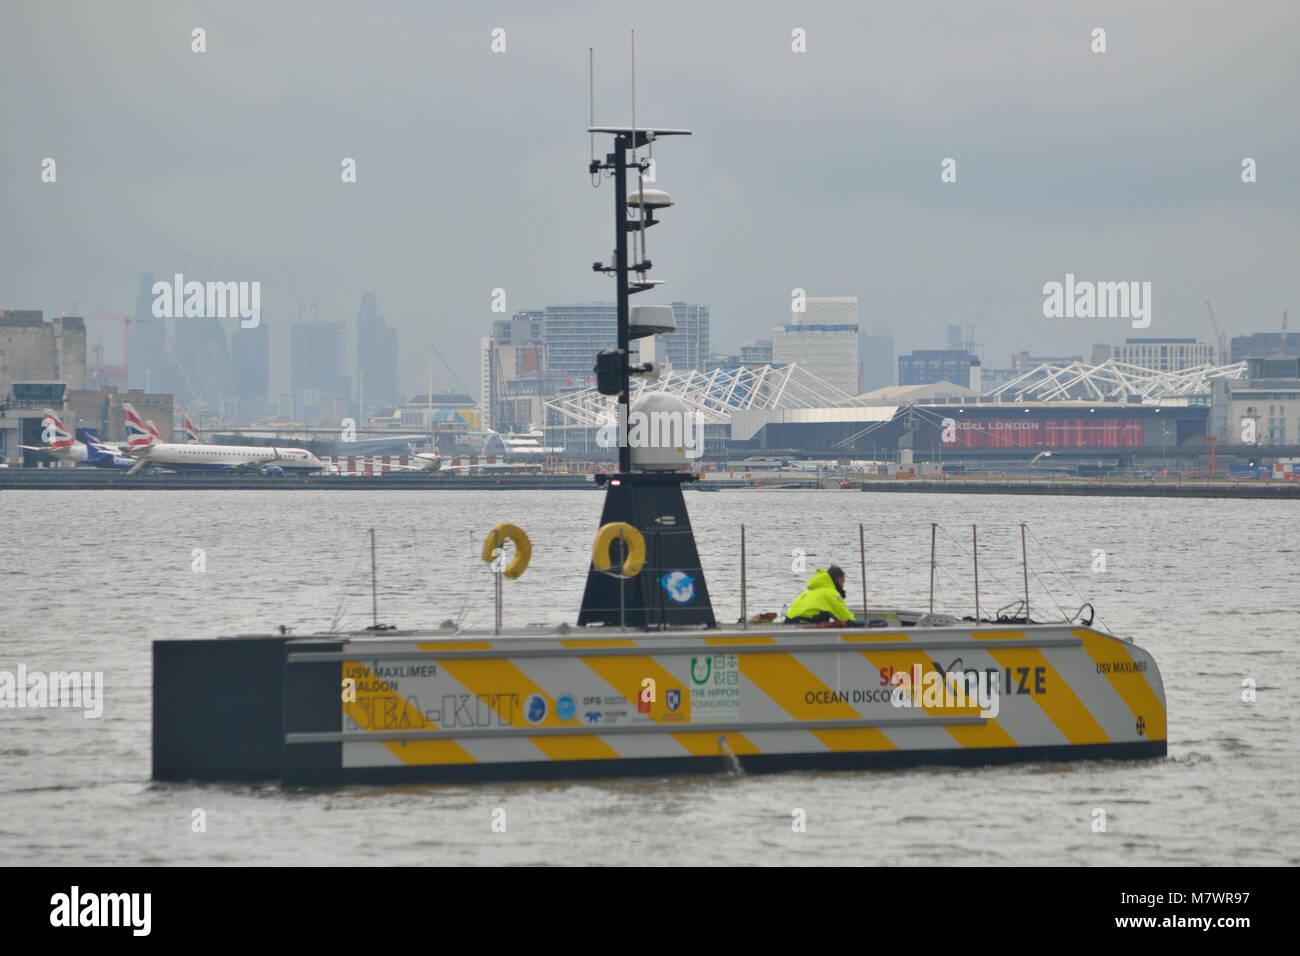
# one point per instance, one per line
(821, 600)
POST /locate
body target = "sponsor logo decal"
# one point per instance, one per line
(679, 586)
(535, 708)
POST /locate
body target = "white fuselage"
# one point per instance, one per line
(227, 456)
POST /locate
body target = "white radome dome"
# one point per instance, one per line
(660, 432)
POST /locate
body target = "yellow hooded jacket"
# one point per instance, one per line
(820, 595)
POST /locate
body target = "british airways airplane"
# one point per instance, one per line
(147, 449)
(60, 443)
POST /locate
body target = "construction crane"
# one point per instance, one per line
(1222, 339)
(124, 374)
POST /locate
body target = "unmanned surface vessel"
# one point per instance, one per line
(647, 683)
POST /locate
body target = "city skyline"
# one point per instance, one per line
(1123, 165)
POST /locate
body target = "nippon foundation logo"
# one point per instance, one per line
(956, 690)
(1098, 300)
(682, 430)
(211, 300)
(37, 689)
(75, 909)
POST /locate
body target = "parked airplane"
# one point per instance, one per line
(425, 460)
(60, 443)
(434, 462)
(58, 440)
(103, 454)
(144, 446)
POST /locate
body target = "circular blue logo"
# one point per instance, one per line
(534, 708)
(680, 587)
(565, 708)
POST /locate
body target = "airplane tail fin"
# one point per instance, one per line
(53, 433)
(138, 436)
(191, 433)
(153, 430)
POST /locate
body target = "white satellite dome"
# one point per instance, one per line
(659, 432)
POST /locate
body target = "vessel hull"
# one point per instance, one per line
(422, 707)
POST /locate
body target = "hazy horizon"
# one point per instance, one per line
(817, 170)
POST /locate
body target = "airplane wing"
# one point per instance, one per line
(141, 463)
(429, 468)
(258, 465)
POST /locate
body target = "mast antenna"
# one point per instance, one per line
(640, 176)
(591, 97)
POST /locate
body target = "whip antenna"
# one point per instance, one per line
(591, 98)
(640, 179)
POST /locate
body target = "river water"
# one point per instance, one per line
(89, 579)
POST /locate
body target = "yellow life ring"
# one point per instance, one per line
(634, 540)
(497, 538)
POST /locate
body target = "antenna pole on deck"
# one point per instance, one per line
(744, 616)
(1024, 563)
(374, 596)
(975, 550)
(933, 526)
(862, 553)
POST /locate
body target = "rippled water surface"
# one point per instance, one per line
(88, 579)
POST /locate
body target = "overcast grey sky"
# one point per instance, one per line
(817, 170)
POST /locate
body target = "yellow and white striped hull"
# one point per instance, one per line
(409, 708)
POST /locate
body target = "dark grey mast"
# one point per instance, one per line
(670, 590)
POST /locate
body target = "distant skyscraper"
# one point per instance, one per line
(572, 334)
(250, 356)
(823, 340)
(316, 363)
(376, 356)
(485, 379)
(201, 366)
(1264, 345)
(1163, 355)
(928, 366)
(876, 358)
(827, 310)
(148, 340)
(688, 347)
